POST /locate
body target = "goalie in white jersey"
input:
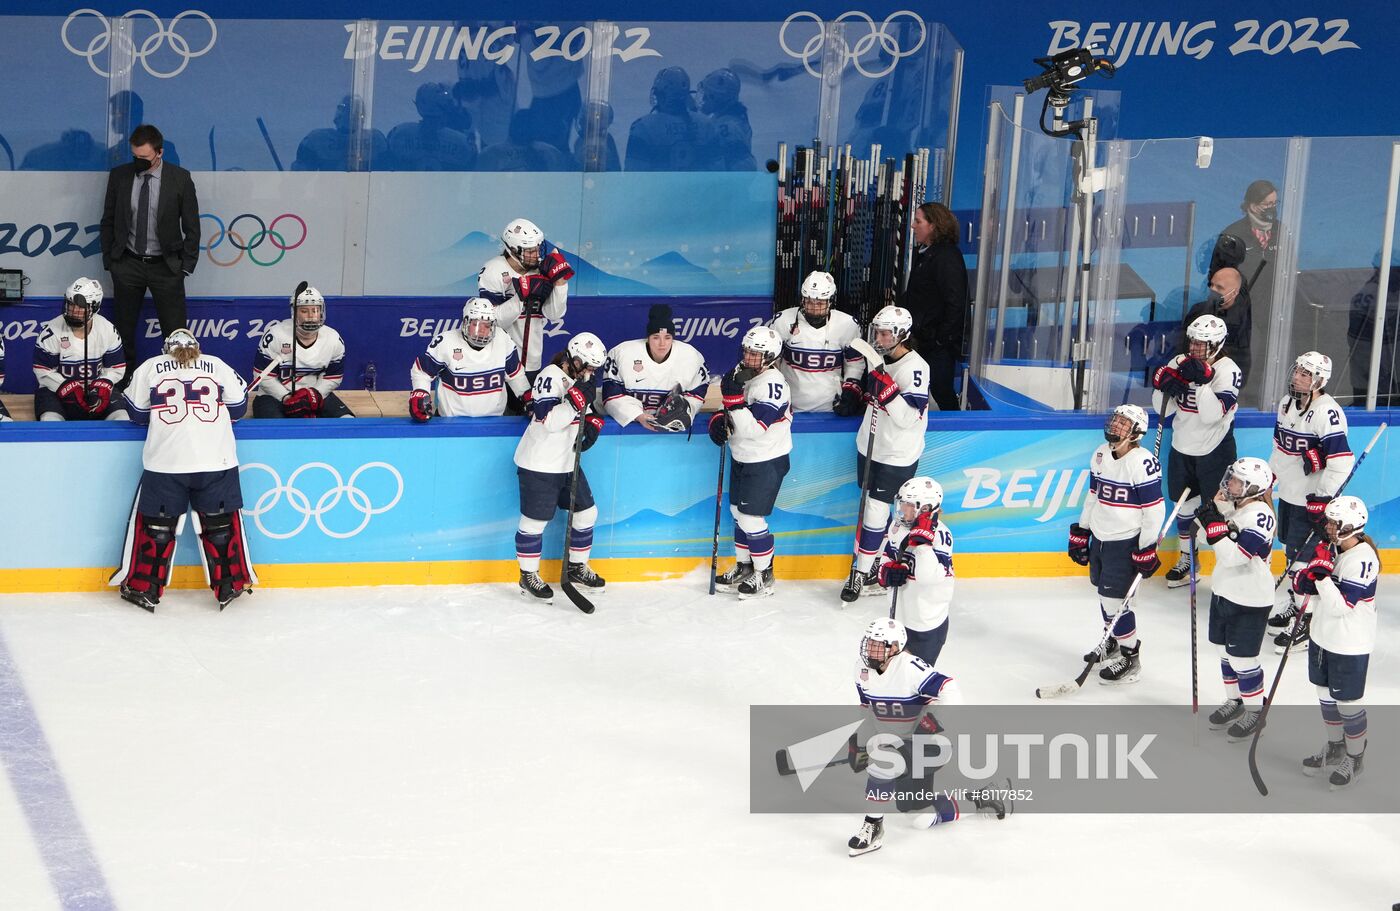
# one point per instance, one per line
(1116, 535)
(1339, 583)
(473, 366)
(817, 355)
(896, 416)
(918, 566)
(299, 364)
(188, 400)
(1196, 393)
(78, 360)
(528, 283)
(656, 382)
(1311, 459)
(756, 423)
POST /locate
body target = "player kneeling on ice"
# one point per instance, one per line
(561, 408)
(1338, 584)
(189, 401)
(1116, 535)
(817, 355)
(891, 436)
(473, 365)
(756, 423)
(1239, 525)
(918, 566)
(656, 382)
(299, 364)
(78, 360)
(899, 687)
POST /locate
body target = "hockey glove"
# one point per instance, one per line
(577, 395)
(1316, 507)
(1195, 370)
(894, 573)
(533, 291)
(1079, 544)
(719, 428)
(420, 405)
(1314, 459)
(731, 387)
(850, 402)
(1145, 559)
(99, 396)
(555, 268)
(673, 414)
(71, 393)
(1319, 567)
(591, 427)
(1170, 382)
(304, 403)
(1215, 526)
(882, 387)
(527, 402)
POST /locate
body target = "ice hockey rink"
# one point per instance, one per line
(455, 747)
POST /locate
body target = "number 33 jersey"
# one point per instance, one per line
(190, 412)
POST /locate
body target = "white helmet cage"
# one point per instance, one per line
(896, 320)
(883, 639)
(85, 293)
(1350, 515)
(923, 493)
(765, 342)
(478, 310)
(309, 298)
(1246, 479)
(1211, 331)
(1137, 421)
(1318, 366)
(520, 237)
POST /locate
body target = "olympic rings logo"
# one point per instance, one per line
(327, 501)
(263, 233)
(152, 43)
(852, 53)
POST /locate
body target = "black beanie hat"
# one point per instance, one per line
(658, 318)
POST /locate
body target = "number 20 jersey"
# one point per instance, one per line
(190, 411)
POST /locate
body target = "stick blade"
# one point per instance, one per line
(576, 596)
(867, 351)
(784, 763)
(1056, 690)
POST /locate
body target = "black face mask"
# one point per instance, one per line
(1268, 213)
(142, 164)
(1217, 303)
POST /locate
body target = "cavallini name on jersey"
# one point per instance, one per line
(171, 365)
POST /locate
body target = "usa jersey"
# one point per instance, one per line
(1125, 496)
(815, 361)
(924, 599)
(320, 365)
(471, 383)
(548, 442)
(58, 353)
(1344, 610)
(494, 283)
(1204, 416)
(190, 411)
(633, 382)
(899, 433)
(763, 430)
(1323, 425)
(900, 696)
(1242, 573)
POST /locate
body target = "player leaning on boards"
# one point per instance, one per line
(757, 423)
(189, 401)
(560, 409)
(528, 283)
(817, 356)
(78, 360)
(299, 364)
(891, 435)
(1116, 535)
(1196, 392)
(1311, 460)
(473, 365)
(655, 382)
(918, 566)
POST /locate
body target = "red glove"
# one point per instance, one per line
(420, 405)
(1145, 559)
(1171, 383)
(73, 393)
(555, 268)
(894, 573)
(99, 396)
(731, 390)
(1195, 370)
(1316, 508)
(1314, 459)
(533, 291)
(592, 426)
(527, 401)
(883, 387)
(304, 403)
(1079, 544)
(1318, 568)
(576, 398)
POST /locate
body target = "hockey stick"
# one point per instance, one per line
(719, 499)
(565, 583)
(9, 152)
(855, 757)
(872, 362)
(268, 139)
(213, 155)
(295, 344)
(1195, 663)
(1293, 631)
(1054, 691)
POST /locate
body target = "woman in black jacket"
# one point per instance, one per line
(936, 295)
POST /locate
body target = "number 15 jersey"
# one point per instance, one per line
(190, 412)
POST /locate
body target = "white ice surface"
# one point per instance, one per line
(379, 748)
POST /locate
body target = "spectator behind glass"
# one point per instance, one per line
(330, 149)
(936, 296)
(1250, 245)
(127, 111)
(441, 140)
(719, 100)
(674, 136)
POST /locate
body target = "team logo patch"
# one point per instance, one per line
(65, 343)
(286, 346)
(864, 674)
(1098, 458)
(637, 366)
(456, 354)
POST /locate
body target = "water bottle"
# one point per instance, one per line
(371, 376)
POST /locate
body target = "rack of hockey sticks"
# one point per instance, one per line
(852, 217)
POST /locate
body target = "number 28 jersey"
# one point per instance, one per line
(190, 412)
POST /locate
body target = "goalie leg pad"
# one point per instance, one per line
(225, 554)
(152, 548)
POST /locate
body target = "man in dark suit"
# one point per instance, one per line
(150, 237)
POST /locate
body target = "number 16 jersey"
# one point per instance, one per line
(190, 411)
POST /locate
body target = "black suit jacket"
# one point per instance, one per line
(177, 217)
(936, 295)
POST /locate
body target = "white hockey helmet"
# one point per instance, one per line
(1127, 422)
(309, 297)
(923, 493)
(1313, 369)
(81, 301)
(182, 345)
(763, 341)
(1210, 331)
(883, 639)
(1349, 516)
(588, 350)
(521, 236)
(892, 319)
(818, 292)
(478, 311)
(1247, 479)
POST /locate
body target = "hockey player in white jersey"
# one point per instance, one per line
(1238, 524)
(473, 366)
(1196, 392)
(299, 364)
(656, 382)
(1311, 459)
(896, 397)
(78, 360)
(1339, 583)
(757, 423)
(529, 283)
(188, 400)
(1116, 535)
(561, 408)
(817, 355)
(918, 565)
